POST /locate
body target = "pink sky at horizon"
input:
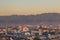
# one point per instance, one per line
(28, 7)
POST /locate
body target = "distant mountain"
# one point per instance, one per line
(46, 17)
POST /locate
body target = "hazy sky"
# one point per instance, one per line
(25, 7)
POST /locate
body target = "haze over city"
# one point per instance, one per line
(28, 7)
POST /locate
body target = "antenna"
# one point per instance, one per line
(6, 29)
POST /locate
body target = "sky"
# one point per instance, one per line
(28, 7)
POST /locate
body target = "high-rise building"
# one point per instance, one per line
(40, 30)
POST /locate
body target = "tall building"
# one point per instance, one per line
(20, 28)
(40, 30)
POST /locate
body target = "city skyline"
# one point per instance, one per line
(28, 7)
